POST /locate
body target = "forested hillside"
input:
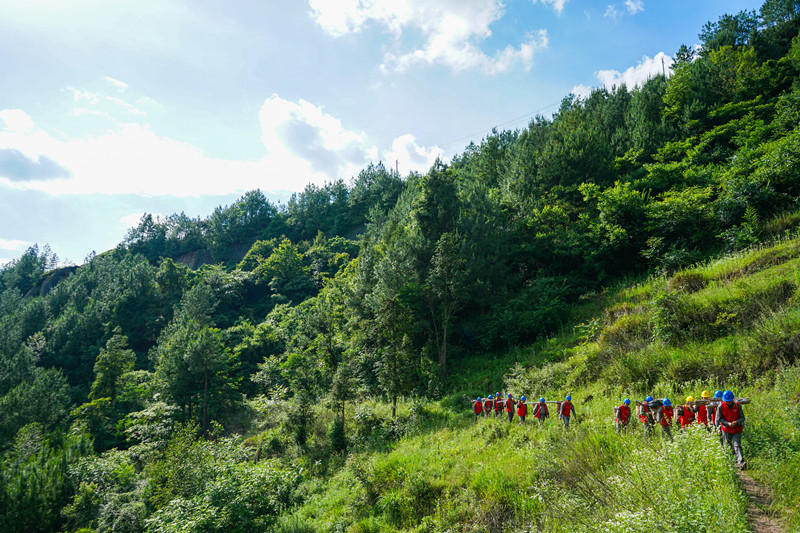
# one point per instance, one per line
(313, 372)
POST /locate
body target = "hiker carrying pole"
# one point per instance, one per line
(622, 415)
(567, 410)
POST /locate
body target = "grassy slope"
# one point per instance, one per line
(732, 323)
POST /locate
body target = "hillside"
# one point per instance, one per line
(452, 474)
(310, 367)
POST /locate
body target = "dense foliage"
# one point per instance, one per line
(128, 383)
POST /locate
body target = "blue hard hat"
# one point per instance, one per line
(523, 398)
(667, 402)
(569, 397)
(479, 398)
(718, 394)
(510, 395)
(496, 394)
(649, 399)
(626, 401)
(541, 400)
(727, 396)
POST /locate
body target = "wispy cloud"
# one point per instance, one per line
(634, 6)
(557, 5)
(14, 245)
(96, 99)
(450, 31)
(611, 12)
(117, 84)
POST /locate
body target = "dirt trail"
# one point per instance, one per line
(760, 499)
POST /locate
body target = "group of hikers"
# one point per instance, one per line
(722, 412)
(494, 403)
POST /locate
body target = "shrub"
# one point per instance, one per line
(686, 282)
(628, 333)
(774, 342)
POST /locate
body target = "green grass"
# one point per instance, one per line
(449, 474)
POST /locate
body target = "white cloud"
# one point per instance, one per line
(634, 6)
(581, 91)
(450, 30)
(634, 76)
(303, 144)
(96, 99)
(16, 120)
(14, 245)
(409, 155)
(117, 84)
(558, 5)
(637, 75)
(611, 12)
(131, 220)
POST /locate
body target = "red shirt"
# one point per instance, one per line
(623, 413)
(509, 405)
(487, 405)
(498, 405)
(541, 411)
(522, 409)
(478, 408)
(702, 415)
(666, 416)
(730, 414)
(566, 408)
(687, 416)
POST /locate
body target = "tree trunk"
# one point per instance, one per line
(394, 406)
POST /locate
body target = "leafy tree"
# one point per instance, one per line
(286, 274)
(443, 289)
(112, 362)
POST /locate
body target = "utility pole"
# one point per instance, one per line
(663, 71)
(397, 167)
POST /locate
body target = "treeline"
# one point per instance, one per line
(381, 286)
(333, 209)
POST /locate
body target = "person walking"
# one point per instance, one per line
(622, 415)
(567, 410)
(701, 411)
(477, 407)
(487, 406)
(664, 414)
(510, 403)
(540, 411)
(730, 419)
(522, 410)
(498, 405)
(711, 408)
(646, 415)
(686, 413)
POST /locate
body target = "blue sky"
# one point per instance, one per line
(112, 109)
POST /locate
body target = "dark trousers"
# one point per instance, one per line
(734, 440)
(565, 419)
(510, 415)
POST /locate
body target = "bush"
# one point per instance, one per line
(687, 282)
(774, 342)
(628, 333)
